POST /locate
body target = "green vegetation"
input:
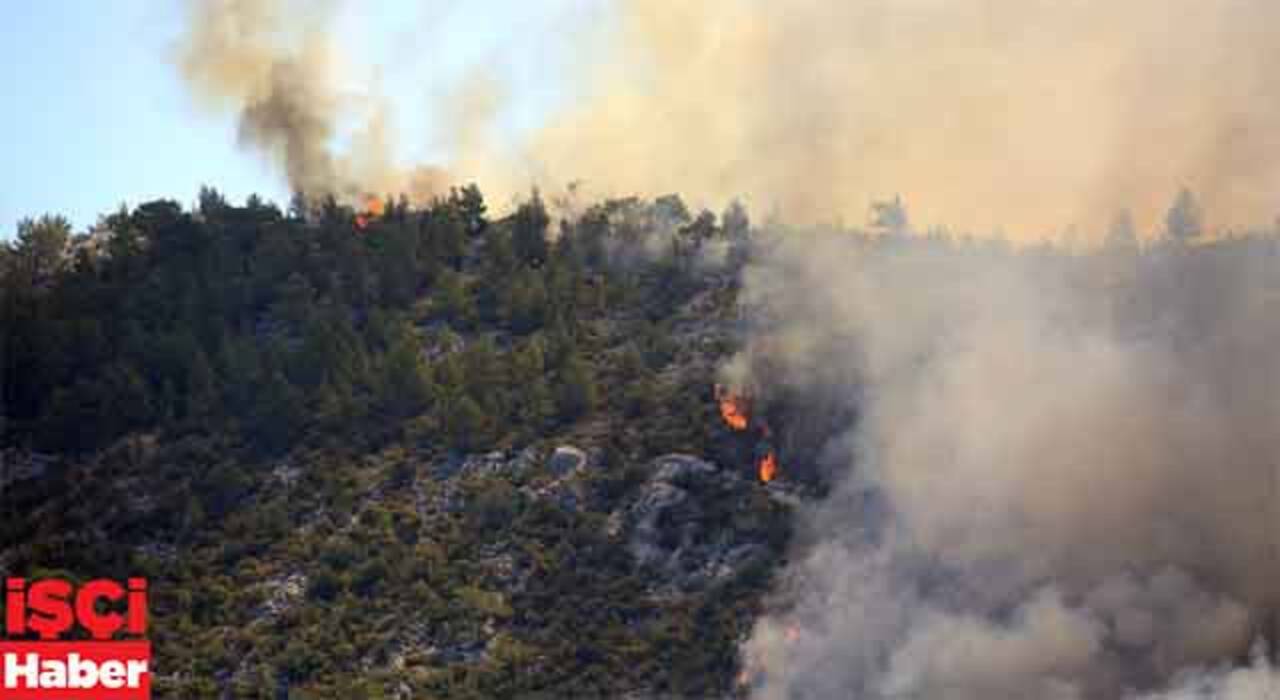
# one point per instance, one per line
(257, 410)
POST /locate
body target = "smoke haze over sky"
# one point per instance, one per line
(97, 112)
(1026, 118)
(1020, 117)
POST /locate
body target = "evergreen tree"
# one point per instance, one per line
(734, 220)
(529, 231)
(466, 424)
(1122, 235)
(1184, 220)
(201, 388)
(535, 407)
(890, 216)
(41, 248)
(670, 211)
(577, 394)
(212, 204)
(444, 237)
(277, 414)
(526, 302)
(640, 398)
(295, 300)
(470, 205)
(700, 230)
(452, 302)
(405, 381)
(528, 362)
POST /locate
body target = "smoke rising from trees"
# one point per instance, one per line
(1024, 117)
(1062, 480)
(1072, 457)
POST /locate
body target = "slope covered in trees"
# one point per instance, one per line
(327, 441)
(429, 452)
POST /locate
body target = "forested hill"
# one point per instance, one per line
(397, 452)
(402, 452)
(263, 327)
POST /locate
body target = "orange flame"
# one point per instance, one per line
(768, 468)
(373, 208)
(733, 408)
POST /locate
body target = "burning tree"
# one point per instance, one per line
(735, 410)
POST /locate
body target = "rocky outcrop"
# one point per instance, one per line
(670, 526)
(487, 464)
(566, 459)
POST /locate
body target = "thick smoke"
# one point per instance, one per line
(1062, 480)
(278, 65)
(1031, 115)
(1025, 116)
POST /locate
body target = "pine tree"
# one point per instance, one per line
(201, 385)
(529, 233)
(577, 394)
(735, 221)
(536, 406)
(528, 362)
(277, 414)
(470, 205)
(41, 248)
(466, 424)
(295, 300)
(405, 381)
(526, 302)
(452, 302)
(1184, 220)
(1122, 234)
(640, 398)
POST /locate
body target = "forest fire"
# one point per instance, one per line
(768, 467)
(373, 207)
(733, 408)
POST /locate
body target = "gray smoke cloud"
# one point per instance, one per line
(1061, 480)
(1026, 116)
(279, 82)
(1257, 681)
(1022, 115)
(278, 65)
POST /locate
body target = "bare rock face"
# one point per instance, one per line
(566, 459)
(496, 463)
(671, 526)
(680, 468)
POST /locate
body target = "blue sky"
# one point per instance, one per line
(95, 113)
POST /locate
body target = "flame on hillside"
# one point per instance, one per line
(768, 467)
(734, 408)
(373, 208)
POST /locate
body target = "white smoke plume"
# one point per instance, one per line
(1061, 483)
(1257, 681)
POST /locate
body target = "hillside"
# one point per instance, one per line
(414, 453)
(628, 451)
